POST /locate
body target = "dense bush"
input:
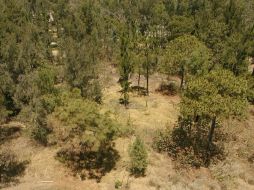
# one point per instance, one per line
(84, 134)
(43, 107)
(138, 158)
(10, 167)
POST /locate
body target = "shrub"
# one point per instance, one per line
(85, 135)
(138, 156)
(118, 184)
(168, 88)
(40, 134)
(45, 106)
(10, 167)
(46, 80)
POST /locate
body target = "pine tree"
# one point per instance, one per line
(125, 68)
(214, 96)
(186, 55)
(138, 156)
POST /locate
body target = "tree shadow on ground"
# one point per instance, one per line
(169, 89)
(141, 91)
(10, 168)
(7, 133)
(89, 164)
(189, 146)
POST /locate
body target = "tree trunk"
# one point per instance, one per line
(147, 75)
(147, 80)
(125, 100)
(209, 143)
(197, 124)
(182, 78)
(253, 72)
(139, 74)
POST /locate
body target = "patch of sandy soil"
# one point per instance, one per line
(44, 172)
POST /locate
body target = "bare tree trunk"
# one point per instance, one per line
(197, 124)
(209, 143)
(253, 72)
(139, 74)
(147, 80)
(182, 77)
(147, 75)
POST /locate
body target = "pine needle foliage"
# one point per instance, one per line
(138, 155)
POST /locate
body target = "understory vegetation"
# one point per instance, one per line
(85, 136)
(54, 55)
(138, 157)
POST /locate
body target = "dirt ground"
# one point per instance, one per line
(146, 115)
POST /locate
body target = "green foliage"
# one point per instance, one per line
(234, 54)
(212, 97)
(193, 39)
(34, 85)
(82, 118)
(217, 94)
(6, 92)
(46, 81)
(81, 68)
(208, 98)
(180, 25)
(85, 135)
(44, 106)
(40, 133)
(118, 184)
(138, 155)
(125, 68)
(186, 55)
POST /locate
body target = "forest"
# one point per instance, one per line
(127, 94)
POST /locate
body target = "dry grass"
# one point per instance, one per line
(237, 171)
(146, 115)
